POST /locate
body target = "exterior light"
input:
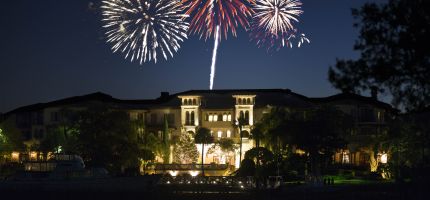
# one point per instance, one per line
(384, 158)
(15, 156)
(168, 182)
(173, 173)
(33, 155)
(194, 173)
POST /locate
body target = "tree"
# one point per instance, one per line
(107, 139)
(166, 141)
(146, 156)
(203, 136)
(240, 122)
(394, 55)
(10, 138)
(185, 150)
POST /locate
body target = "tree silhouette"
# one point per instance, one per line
(203, 136)
(394, 53)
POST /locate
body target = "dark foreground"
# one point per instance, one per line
(140, 188)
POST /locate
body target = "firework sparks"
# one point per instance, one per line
(273, 24)
(141, 29)
(212, 76)
(216, 18)
(207, 15)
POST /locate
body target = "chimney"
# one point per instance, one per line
(374, 92)
(164, 95)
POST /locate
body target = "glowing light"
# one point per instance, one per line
(384, 158)
(212, 75)
(15, 156)
(141, 29)
(33, 155)
(173, 173)
(194, 173)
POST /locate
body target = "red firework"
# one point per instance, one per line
(206, 15)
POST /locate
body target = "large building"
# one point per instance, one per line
(216, 110)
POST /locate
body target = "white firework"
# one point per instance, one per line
(277, 16)
(141, 29)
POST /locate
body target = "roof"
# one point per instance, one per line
(212, 99)
(351, 96)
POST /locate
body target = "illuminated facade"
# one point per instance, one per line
(217, 110)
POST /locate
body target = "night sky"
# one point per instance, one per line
(52, 49)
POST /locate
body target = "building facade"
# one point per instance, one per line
(217, 110)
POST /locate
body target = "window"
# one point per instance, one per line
(219, 134)
(171, 118)
(194, 102)
(228, 133)
(54, 116)
(140, 116)
(248, 101)
(247, 116)
(187, 118)
(211, 117)
(240, 101)
(153, 118)
(189, 102)
(207, 117)
(219, 117)
(215, 117)
(224, 117)
(192, 118)
(229, 117)
(345, 158)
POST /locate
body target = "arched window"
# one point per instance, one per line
(228, 133)
(187, 118)
(224, 117)
(240, 101)
(219, 134)
(215, 117)
(184, 102)
(229, 117)
(194, 102)
(211, 117)
(189, 102)
(242, 115)
(247, 117)
(248, 101)
(192, 118)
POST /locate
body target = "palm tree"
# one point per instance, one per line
(240, 122)
(203, 136)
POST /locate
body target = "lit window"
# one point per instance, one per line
(224, 117)
(219, 134)
(345, 157)
(229, 117)
(215, 117)
(228, 133)
(384, 158)
(211, 118)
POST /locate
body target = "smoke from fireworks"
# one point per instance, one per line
(216, 18)
(273, 23)
(141, 28)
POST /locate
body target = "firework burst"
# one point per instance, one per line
(273, 24)
(207, 15)
(142, 29)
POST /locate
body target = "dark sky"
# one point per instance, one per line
(53, 49)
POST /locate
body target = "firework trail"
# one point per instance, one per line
(143, 29)
(212, 76)
(273, 24)
(216, 18)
